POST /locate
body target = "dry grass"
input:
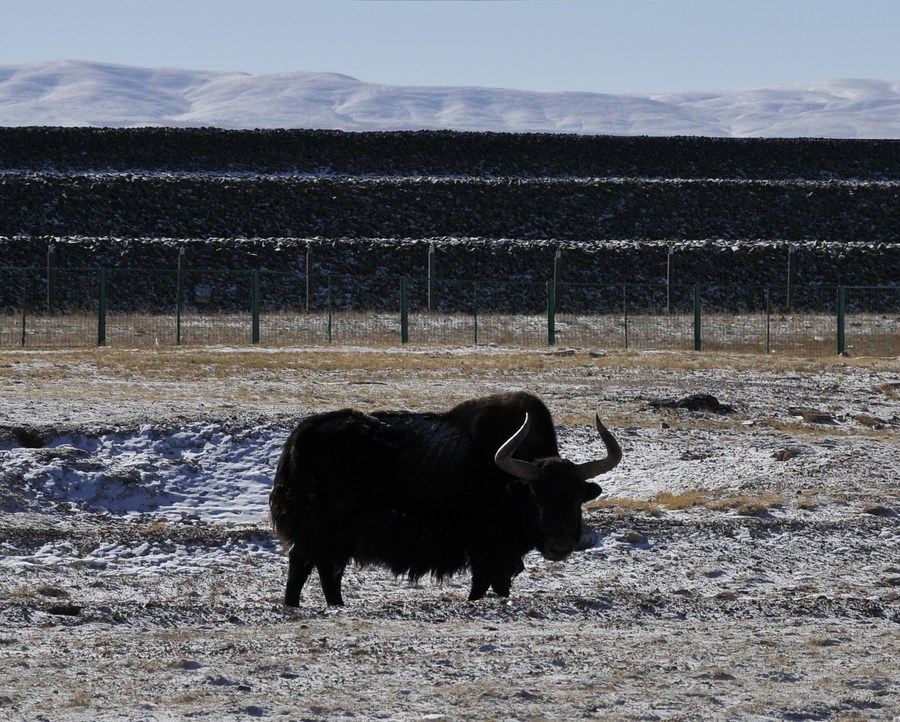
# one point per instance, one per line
(186, 363)
(748, 506)
(574, 381)
(740, 504)
(623, 507)
(798, 427)
(685, 500)
(810, 499)
(891, 390)
(654, 506)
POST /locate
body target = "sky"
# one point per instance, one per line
(600, 46)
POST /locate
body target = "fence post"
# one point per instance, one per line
(790, 275)
(768, 321)
(51, 278)
(625, 311)
(551, 313)
(404, 311)
(101, 310)
(309, 270)
(179, 296)
(432, 296)
(24, 303)
(698, 340)
(557, 275)
(670, 279)
(475, 308)
(330, 312)
(254, 308)
(841, 313)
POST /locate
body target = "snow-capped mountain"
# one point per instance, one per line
(75, 93)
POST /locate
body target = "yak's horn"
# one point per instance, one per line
(504, 456)
(590, 469)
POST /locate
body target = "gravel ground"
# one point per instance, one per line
(140, 580)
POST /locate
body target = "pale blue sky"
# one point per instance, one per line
(607, 46)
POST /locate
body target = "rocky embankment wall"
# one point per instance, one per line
(444, 153)
(493, 205)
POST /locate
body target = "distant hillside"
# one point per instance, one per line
(74, 93)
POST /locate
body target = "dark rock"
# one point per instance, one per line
(694, 402)
(786, 454)
(812, 416)
(65, 610)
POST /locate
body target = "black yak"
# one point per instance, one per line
(476, 487)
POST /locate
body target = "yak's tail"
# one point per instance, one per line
(285, 496)
(322, 449)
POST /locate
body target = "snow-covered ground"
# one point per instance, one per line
(77, 93)
(140, 579)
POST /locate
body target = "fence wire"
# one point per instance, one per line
(198, 307)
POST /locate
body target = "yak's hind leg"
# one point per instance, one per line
(330, 575)
(298, 571)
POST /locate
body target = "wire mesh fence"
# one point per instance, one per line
(198, 307)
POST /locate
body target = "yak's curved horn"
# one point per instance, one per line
(518, 468)
(590, 469)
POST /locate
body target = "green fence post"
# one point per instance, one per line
(404, 311)
(179, 300)
(24, 302)
(101, 310)
(551, 313)
(475, 308)
(254, 308)
(330, 312)
(841, 313)
(698, 340)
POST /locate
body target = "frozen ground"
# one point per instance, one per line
(140, 580)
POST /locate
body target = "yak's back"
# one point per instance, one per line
(491, 420)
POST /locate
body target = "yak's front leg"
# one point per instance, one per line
(502, 581)
(502, 585)
(481, 582)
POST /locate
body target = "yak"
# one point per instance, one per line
(476, 487)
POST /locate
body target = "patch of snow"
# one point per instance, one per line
(201, 471)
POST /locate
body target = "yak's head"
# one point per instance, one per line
(558, 488)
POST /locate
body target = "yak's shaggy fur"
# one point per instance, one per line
(421, 493)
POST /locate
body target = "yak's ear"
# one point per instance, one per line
(591, 491)
(518, 486)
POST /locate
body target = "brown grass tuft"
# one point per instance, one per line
(891, 390)
(625, 507)
(684, 500)
(810, 498)
(741, 504)
(748, 506)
